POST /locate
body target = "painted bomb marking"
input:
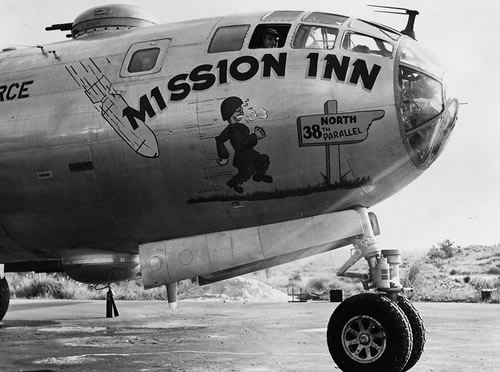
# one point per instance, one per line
(112, 107)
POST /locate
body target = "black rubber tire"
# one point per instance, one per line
(4, 297)
(417, 328)
(372, 308)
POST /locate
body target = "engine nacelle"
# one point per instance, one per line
(100, 267)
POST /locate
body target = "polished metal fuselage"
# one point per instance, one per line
(69, 181)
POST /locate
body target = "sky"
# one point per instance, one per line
(458, 197)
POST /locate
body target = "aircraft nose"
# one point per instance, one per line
(427, 107)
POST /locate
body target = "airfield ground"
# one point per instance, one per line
(60, 335)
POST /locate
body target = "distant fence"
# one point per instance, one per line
(300, 295)
(296, 295)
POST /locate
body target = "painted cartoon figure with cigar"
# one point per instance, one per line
(249, 162)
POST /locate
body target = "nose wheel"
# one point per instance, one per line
(369, 332)
(364, 339)
(417, 328)
(381, 331)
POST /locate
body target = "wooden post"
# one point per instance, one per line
(331, 108)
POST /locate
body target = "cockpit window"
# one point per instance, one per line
(143, 60)
(332, 19)
(269, 35)
(421, 98)
(314, 37)
(416, 55)
(374, 29)
(228, 38)
(282, 16)
(360, 43)
(427, 107)
(421, 102)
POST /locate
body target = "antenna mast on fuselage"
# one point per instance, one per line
(412, 14)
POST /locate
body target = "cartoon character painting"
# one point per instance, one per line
(249, 162)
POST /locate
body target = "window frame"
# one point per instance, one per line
(161, 44)
(306, 19)
(259, 28)
(282, 16)
(292, 41)
(131, 63)
(341, 46)
(245, 36)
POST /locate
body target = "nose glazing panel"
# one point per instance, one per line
(426, 115)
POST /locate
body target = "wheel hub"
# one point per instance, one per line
(364, 339)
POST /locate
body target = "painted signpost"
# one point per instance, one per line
(334, 128)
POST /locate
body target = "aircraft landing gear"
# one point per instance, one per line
(369, 332)
(4, 297)
(417, 328)
(380, 331)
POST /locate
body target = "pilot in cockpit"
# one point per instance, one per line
(270, 38)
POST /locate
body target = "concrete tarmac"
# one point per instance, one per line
(60, 335)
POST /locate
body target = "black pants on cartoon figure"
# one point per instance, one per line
(247, 160)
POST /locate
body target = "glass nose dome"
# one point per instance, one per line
(427, 113)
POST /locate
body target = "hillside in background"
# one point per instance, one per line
(444, 273)
(449, 273)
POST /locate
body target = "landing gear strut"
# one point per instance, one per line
(379, 331)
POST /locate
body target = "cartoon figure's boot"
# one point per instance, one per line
(235, 186)
(263, 178)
